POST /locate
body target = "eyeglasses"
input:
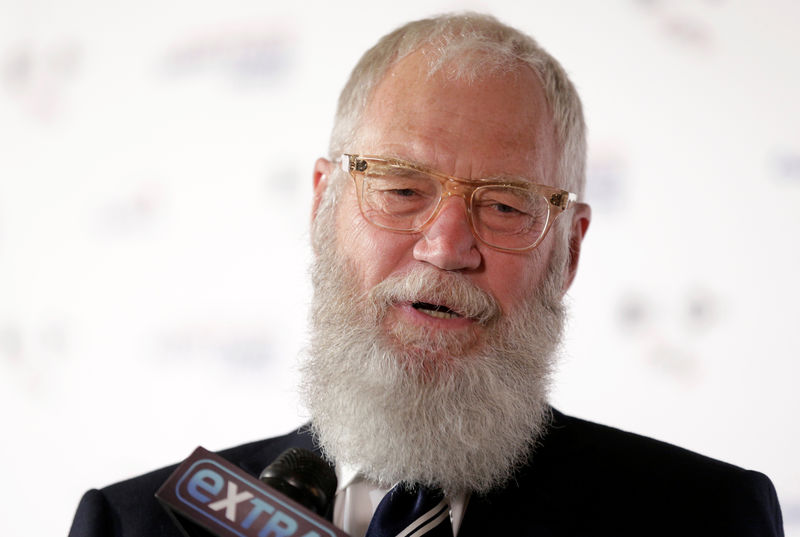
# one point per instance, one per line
(511, 215)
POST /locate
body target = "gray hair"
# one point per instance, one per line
(469, 45)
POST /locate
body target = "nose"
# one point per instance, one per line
(447, 242)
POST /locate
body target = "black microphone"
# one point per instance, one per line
(208, 496)
(303, 476)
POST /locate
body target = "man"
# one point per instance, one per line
(446, 228)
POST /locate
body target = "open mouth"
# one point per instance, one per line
(436, 310)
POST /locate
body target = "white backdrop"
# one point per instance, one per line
(155, 181)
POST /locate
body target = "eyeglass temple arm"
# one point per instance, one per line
(563, 199)
(348, 163)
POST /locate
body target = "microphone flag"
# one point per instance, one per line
(207, 495)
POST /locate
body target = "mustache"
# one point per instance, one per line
(449, 289)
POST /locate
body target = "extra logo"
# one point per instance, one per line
(213, 493)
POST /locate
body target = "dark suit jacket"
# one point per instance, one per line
(583, 480)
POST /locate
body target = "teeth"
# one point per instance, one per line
(439, 314)
(436, 310)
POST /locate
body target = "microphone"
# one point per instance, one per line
(208, 496)
(303, 476)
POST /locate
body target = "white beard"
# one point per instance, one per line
(456, 413)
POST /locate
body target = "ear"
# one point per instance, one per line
(322, 170)
(581, 216)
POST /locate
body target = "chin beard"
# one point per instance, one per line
(457, 412)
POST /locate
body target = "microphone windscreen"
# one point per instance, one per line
(303, 476)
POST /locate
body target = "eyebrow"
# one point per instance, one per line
(498, 178)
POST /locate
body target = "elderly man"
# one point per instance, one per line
(446, 228)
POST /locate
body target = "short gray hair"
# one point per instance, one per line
(469, 44)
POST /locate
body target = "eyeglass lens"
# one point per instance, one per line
(404, 199)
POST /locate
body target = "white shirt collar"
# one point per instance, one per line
(357, 498)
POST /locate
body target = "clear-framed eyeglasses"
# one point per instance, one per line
(512, 215)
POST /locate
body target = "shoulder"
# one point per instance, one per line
(587, 478)
(597, 449)
(130, 507)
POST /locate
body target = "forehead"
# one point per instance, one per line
(495, 124)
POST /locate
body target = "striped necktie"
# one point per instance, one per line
(411, 513)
